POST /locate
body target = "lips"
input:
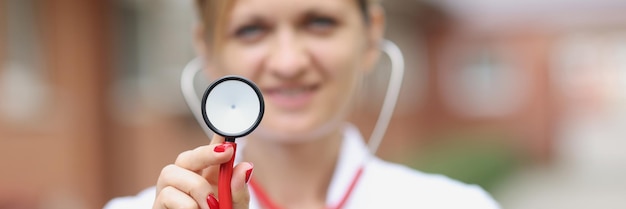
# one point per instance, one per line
(292, 97)
(292, 91)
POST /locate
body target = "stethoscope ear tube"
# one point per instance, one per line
(187, 86)
(391, 97)
(192, 69)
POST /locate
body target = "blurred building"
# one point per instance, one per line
(526, 98)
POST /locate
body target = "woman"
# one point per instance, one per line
(308, 57)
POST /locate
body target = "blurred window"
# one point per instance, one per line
(154, 43)
(483, 81)
(589, 69)
(23, 83)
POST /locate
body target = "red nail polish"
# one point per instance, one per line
(249, 173)
(212, 202)
(221, 148)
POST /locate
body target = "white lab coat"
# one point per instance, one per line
(383, 185)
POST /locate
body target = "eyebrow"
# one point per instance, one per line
(249, 19)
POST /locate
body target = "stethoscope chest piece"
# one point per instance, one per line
(232, 106)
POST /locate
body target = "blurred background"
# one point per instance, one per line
(526, 98)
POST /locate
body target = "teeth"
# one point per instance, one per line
(292, 91)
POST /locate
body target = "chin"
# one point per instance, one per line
(295, 132)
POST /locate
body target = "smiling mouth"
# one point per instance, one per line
(292, 91)
(291, 97)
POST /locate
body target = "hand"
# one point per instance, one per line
(191, 182)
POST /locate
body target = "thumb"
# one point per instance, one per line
(239, 185)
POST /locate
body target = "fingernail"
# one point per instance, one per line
(212, 202)
(221, 148)
(249, 173)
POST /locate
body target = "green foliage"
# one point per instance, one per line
(481, 159)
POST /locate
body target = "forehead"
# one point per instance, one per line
(242, 8)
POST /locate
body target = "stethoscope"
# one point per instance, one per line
(233, 107)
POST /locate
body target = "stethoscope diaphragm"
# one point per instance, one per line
(232, 106)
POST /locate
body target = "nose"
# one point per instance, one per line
(288, 58)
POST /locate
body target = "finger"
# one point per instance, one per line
(185, 181)
(204, 156)
(239, 184)
(217, 139)
(211, 174)
(170, 197)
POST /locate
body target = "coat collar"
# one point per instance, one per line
(352, 157)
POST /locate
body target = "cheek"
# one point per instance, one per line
(242, 61)
(340, 60)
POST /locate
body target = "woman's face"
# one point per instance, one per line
(306, 56)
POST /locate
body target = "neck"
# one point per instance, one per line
(295, 175)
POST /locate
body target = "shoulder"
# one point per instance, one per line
(408, 188)
(144, 199)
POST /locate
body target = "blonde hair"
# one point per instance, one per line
(213, 16)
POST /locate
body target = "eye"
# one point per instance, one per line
(321, 24)
(250, 32)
